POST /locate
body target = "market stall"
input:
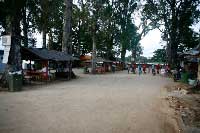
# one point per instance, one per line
(47, 64)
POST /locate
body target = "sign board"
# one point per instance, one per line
(6, 42)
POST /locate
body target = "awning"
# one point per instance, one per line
(44, 54)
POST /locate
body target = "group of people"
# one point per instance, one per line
(147, 68)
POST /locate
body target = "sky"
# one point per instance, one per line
(151, 42)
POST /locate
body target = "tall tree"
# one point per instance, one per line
(125, 10)
(67, 31)
(101, 23)
(13, 14)
(94, 9)
(81, 29)
(175, 16)
(67, 27)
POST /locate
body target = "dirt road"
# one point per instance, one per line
(110, 103)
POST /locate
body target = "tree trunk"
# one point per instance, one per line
(44, 38)
(172, 52)
(50, 43)
(174, 40)
(44, 19)
(123, 53)
(14, 60)
(67, 28)
(14, 63)
(25, 28)
(94, 51)
(78, 35)
(67, 31)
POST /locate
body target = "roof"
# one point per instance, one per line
(75, 58)
(192, 52)
(100, 59)
(44, 54)
(195, 51)
(117, 59)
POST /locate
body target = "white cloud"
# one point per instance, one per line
(151, 42)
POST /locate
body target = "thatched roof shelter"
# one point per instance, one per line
(44, 54)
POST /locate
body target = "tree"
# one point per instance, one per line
(29, 13)
(159, 55)
(67, 31)
(46, 16)
(100, 23)
(124, 11)
(67, 27)
(175, 16)
(81, 29)
(94, 9)
(11, 22)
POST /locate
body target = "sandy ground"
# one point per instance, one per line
(110, 103)
(185, 100)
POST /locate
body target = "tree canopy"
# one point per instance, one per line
(106, 24)
(174, 19)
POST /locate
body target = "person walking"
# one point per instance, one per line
(153, 69)
(139, 69)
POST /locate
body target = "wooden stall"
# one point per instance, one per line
(48, 64)
(191, 63)
(102, 65)
(120, 65)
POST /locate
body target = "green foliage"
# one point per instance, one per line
(159, 56)
(114, 26)
(174, 19)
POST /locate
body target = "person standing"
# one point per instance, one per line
(149, 69)
(139, 69)
(144, 68)
(128, 69)
(134, 67)
(158, 68)
(113, 68)
(153, 69)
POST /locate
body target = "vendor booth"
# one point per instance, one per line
(46, 64)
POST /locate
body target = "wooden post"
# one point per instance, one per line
(46, 72)
(30, 65)
(199, 71)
